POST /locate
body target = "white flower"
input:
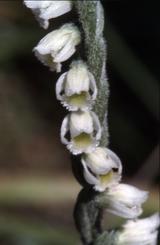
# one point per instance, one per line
(102, 168)
(76, 89)
(125, 200)
(46, 10)
(58, 46)
(84, 132)
(139, 232)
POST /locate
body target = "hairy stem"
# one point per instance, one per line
(91, 17)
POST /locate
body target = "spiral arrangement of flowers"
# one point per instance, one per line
(81, 130)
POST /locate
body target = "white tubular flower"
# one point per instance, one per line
(76, 89)
(102, 168)
(125, 200)
(46, 10)
(84, 132)
(140, 231)
(58, 46)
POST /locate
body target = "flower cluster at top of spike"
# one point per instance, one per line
(77, 91)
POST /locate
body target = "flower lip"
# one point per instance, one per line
(58, 46)
(76, 89)
(81, 127)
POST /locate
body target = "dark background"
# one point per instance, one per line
(37, 189)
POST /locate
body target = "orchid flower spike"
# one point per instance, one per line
(76, 89)
(46, 10)
(84, 132)
(58, 46)
(124, 200)
(139, 232)
(102, 168)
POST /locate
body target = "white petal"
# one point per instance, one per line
(64, 130)
(97, 126)
(35, 4)
(45, 10)
(125, 200)
(55, 9)
(139, 232)
(98, 161)
(73, 145)
(77, 80)
(77, 95)
(148, 224)
(58, 46)
(145, 239)
(47, 43)
(65, 53)
(128, 194)
(91, 179)
(123, 211)
(80, 122)
(55, 40)
(81, 132)
(115, 160)
(102, 166)
(60, 86)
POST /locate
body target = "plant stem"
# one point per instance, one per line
(91, 17)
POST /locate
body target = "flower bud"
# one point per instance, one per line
(46, 10)
(139, 232)
(102, 168)
(76, 89)
(84, 132)
(58, 46)
(124, 200)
